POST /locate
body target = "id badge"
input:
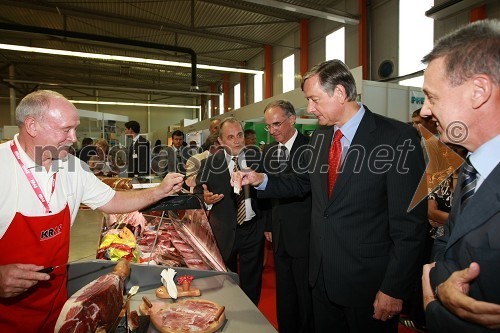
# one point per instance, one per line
(134, 156)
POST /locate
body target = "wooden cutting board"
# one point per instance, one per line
(192, 292)
(159, 312)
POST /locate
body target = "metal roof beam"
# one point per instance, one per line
(306, 11)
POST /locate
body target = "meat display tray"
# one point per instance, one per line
(220, 287)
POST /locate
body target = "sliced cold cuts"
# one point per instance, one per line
(97, 304)
(185, 316)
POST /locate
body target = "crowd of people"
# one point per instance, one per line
(350, 255)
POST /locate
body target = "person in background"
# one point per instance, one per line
(103, 164)
(462, 90)
(413, 314)
(213, 129)
(214, 126)
(236, 219)
(194, 162)
(176, 153)
(250, 137)
(288, 222)
(138, 157)
(45, 188)
(365, 243)
(88, 150)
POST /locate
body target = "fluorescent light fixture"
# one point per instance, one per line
(137, 104)
(124, 58)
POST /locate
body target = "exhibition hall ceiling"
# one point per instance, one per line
(217, 32)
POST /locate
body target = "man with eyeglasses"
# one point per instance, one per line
(363, 171)
(288, 222)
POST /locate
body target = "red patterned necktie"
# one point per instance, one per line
(334, 161)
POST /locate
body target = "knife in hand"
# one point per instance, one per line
(50, 269)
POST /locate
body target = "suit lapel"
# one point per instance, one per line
(321, 141)
(363, 138)
(483, 205)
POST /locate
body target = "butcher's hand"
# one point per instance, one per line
(269, 236)
(172, 183)
(250, 177)
(427, 292)
(385, 307)
(453, 294)
(211, 198)
(16, 279)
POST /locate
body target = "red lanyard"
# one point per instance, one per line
(32, 180)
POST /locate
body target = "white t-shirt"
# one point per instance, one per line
(75, 184)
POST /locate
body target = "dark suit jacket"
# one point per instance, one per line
(222, 217)
(289, 219)
(471, 235)
(140, 165)
(363, 237)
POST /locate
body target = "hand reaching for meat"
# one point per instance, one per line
(250, 177)
(172, 183)
(16, 279)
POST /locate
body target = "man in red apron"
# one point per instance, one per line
(43, 187)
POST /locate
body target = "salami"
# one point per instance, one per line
(185, 316)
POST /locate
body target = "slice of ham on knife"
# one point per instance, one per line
(237, 179)
(96, 305)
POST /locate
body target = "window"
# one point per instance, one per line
(209, 108)
(413, 46)
(237, 96)
(335, 45)
(257, 87)
(289, 73)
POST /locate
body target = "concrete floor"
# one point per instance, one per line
(85, 235)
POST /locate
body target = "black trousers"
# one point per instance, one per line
(247, 258)
(332, 317)
(293, 293)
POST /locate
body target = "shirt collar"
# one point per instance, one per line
(351, 126)
(29, 163)
(289, 143)
(486, 157)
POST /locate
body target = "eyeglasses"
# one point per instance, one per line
(275, 126)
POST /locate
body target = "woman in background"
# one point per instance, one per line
(102, 164)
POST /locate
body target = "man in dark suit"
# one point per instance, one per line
(138, 156)
(241, 243)
(288, 222)
(464, 98)
(365, 244)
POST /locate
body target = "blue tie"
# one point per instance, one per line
(468, 183)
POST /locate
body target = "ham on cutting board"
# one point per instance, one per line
(96, 305)
(191, 315)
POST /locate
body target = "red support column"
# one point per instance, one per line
(304, 46)
(268, 71)
(363, 39)
(477, 14)
(225, 89)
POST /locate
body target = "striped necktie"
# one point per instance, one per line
(468, 185)
(240, 198)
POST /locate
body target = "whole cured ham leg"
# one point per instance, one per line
(95, 305)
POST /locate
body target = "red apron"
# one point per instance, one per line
(40, 240)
